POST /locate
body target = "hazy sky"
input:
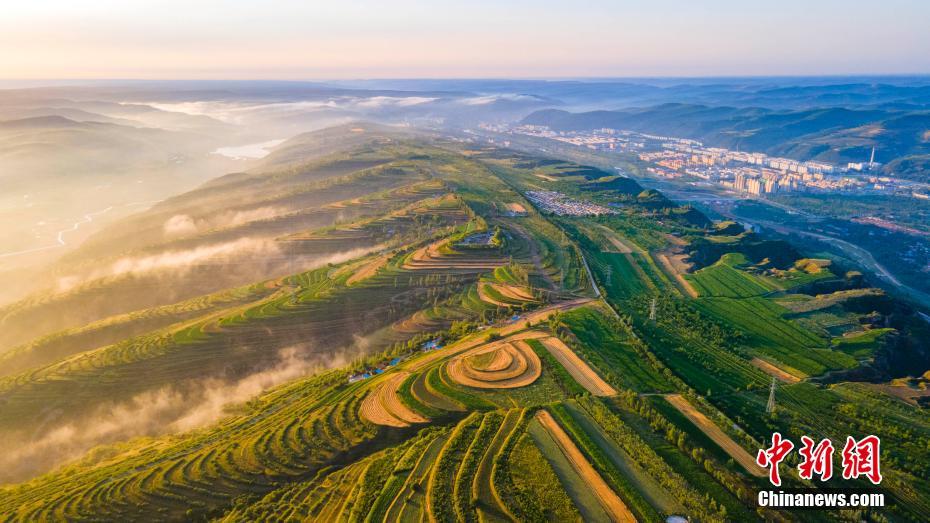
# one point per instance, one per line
(308, 39)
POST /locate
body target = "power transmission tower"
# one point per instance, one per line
(608, 272)
(770, 406)
(652, 309)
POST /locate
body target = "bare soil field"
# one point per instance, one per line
(772, 370)
(484, 296)
(581, 371)
(493, 361)
(515, 293)
(516, 365)
(904, 393)
(621, 246)
(383, 406)
(343, 203)
(725, 442)
(368, 270)
(524, 367)
(613, 505)
(673, 264)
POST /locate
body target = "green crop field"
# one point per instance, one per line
(725, 279)
(385, 353)
(769, 333)
(860, 344)
(609, 348)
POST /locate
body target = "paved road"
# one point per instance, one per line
(860, 255)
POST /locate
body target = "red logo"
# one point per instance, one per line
(774, 455)
(817, 460)
(860, 458)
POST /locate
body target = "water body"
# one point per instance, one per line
(60, 236)
(252, 151)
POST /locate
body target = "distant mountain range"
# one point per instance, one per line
(838, 135)
(72, 148)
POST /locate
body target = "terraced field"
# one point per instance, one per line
(335, 313)
(51, 348)
(458, 366)
(504, 295)
(383, 406)
(498, 366)
(610, 503)
(247, 253)
(579, 370)
(442, 256)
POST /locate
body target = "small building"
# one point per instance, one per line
(431, 345)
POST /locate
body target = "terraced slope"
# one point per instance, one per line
(173, 251)
(458, 366)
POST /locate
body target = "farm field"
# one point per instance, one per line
(610, 503)
(579, 370)
(613, 352)
(771, 334)
(724, 279)
(622, 273)
(639, 478)
(713, 432)
(775, 371)
(447, 356)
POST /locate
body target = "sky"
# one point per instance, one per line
(313, 39)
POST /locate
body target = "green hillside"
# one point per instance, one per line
(404, 346)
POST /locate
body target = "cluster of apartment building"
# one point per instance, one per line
(758, 173)
(749, 172)
(560, 204)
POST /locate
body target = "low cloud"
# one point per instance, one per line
(179, 259)
(242, 260)
(485, 100)
(184, 225)
(170, 409)
(240, 113)
(173, 260)
(180, 225)
(378, 102)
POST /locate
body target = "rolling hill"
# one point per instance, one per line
(410, 338)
